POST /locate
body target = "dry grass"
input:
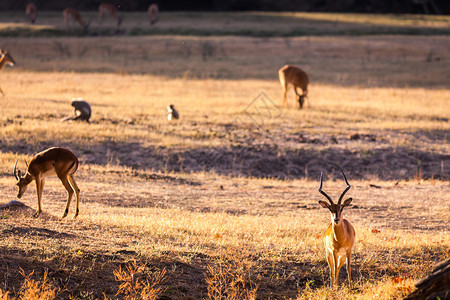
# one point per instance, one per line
(220, 205)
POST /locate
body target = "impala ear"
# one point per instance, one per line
(324, 204)
(347, 202)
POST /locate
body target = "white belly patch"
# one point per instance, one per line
(50, 172)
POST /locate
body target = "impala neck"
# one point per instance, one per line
(339, 230)
(2, 61)
(28, 178)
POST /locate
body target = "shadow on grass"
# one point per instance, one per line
(248, 24)
(263, 160)
(87, 274)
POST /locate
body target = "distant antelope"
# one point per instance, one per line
(339, 237)
(296, 77)
(53, 161)
(106, 8)
(172, 113)
(30, 11)
(153, 12)
(5, 59)
(74, 15)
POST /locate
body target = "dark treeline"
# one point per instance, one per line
(365, 6)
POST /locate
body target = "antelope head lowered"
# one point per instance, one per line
(54, 161)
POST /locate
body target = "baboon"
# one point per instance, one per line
(172, 113)
(82, 111)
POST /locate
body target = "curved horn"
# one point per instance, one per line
(346, 189)
(15, 170)
(322, 192)
(26, 163)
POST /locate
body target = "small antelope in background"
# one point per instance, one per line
(296, 77)
(53, 161)
(106, 8)
(31, 12)
(5, 59)
(339, 236)
(153, 13)
(74, 15)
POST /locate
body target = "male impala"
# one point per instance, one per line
(53, 161)
(5, 59)
(153, 11)
(296, 77)
(30, 11)
(106, 8)
(74, 15)
(339, 236)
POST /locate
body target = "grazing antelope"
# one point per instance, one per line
(296, 77)
(172, 113)
(53, 161)
(74, 15)
(153, 11)
(339, 236)
(106, 8)
(31, 12)
(5, 59)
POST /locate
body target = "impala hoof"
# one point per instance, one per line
(36, 214)
(76, 213)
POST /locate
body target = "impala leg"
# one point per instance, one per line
(300, 99)
(75, 188)
(39, 188)
(341, 261)
(284, 94)
(70, 192)
(330, 265)
(336, 269)
(283, 87)
(349, 267)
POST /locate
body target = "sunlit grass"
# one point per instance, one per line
(378, 19)
(262, 235)
(142, 99)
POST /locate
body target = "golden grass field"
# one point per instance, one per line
(223, 204)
